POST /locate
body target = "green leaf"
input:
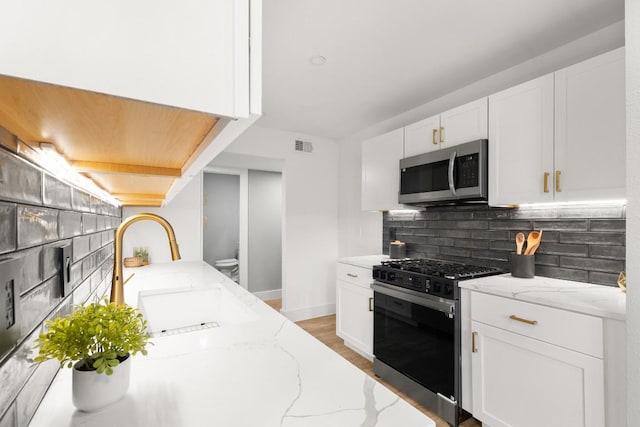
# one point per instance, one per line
(98, 333)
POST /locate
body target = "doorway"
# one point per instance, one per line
(245, 205)
(221, 222)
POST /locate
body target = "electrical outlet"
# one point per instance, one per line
(10, 305)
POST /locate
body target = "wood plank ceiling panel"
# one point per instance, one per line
(89, 128)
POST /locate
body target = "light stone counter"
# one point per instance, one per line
(596, 300)
(264, 373)
(365, 261)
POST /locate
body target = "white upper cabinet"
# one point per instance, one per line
(521, 143)
(560, 137)
(381, 171)
(456, 126)
(422, 137)
(463, 124)
(190, 54)
(590, 129)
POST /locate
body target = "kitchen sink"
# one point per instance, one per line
(170, 311)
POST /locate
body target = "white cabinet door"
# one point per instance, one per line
(422, 137)
(146, 57)
(354, 320)
(456, 126)
(590, 129)
(463, 124)
(521, 143)
(381, 171)
(522, 382)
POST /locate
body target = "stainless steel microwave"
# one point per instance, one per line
(449, 175)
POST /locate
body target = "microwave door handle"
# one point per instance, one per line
(452, 162)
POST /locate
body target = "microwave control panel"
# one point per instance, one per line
(467, 171)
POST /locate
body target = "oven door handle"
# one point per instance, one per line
(452, 162)
(444, 306)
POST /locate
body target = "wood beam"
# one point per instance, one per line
(123, 169)
(138, 196)
(148, 203)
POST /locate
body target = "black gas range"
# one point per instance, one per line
(430, 276)
(416, 330)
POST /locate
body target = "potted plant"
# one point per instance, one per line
(97, 340)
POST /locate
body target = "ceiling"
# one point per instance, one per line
(385, 57)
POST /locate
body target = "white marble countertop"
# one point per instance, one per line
(596, 300)
(267, 372)
(364, 261)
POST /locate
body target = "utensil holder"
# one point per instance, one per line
(523, 266)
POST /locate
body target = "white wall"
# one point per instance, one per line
(310, 225)
(356, 228)
(184, 213)
(632, 51)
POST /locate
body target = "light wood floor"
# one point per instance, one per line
(324, 329)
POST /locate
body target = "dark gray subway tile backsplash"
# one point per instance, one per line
(56, 193)
(19, 182)
(36, 226)
(8, 238)
(582, 243)
(39, 213)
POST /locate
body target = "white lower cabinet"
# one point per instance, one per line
(354, 308)
(535, 366)
(521, 382)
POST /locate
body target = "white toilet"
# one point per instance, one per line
(229, 267)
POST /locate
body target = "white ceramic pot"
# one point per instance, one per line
(93, 391)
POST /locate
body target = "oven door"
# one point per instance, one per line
(416, 335)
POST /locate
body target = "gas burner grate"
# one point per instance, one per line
(432, 267)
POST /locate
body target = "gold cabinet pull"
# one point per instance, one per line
(558, 182)
(435, 131)
(474, 349)
(546, 182)
(370, 303)
(520, 319)
(352, 275)
(441, 134)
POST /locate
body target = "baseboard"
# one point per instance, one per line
(309, 312)
(358, 350)
(268, 295)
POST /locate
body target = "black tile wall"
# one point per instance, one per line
(582, 243)
(36, 225)
(7, 227)
(38, 214)
(19, 181)
(56, 193)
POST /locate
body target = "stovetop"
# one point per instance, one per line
(437, 268)
(429, 276)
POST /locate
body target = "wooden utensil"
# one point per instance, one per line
(533, 241)
(519, 243)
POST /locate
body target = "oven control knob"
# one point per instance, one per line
(437, 287)
(391, 275)
(448, 289)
